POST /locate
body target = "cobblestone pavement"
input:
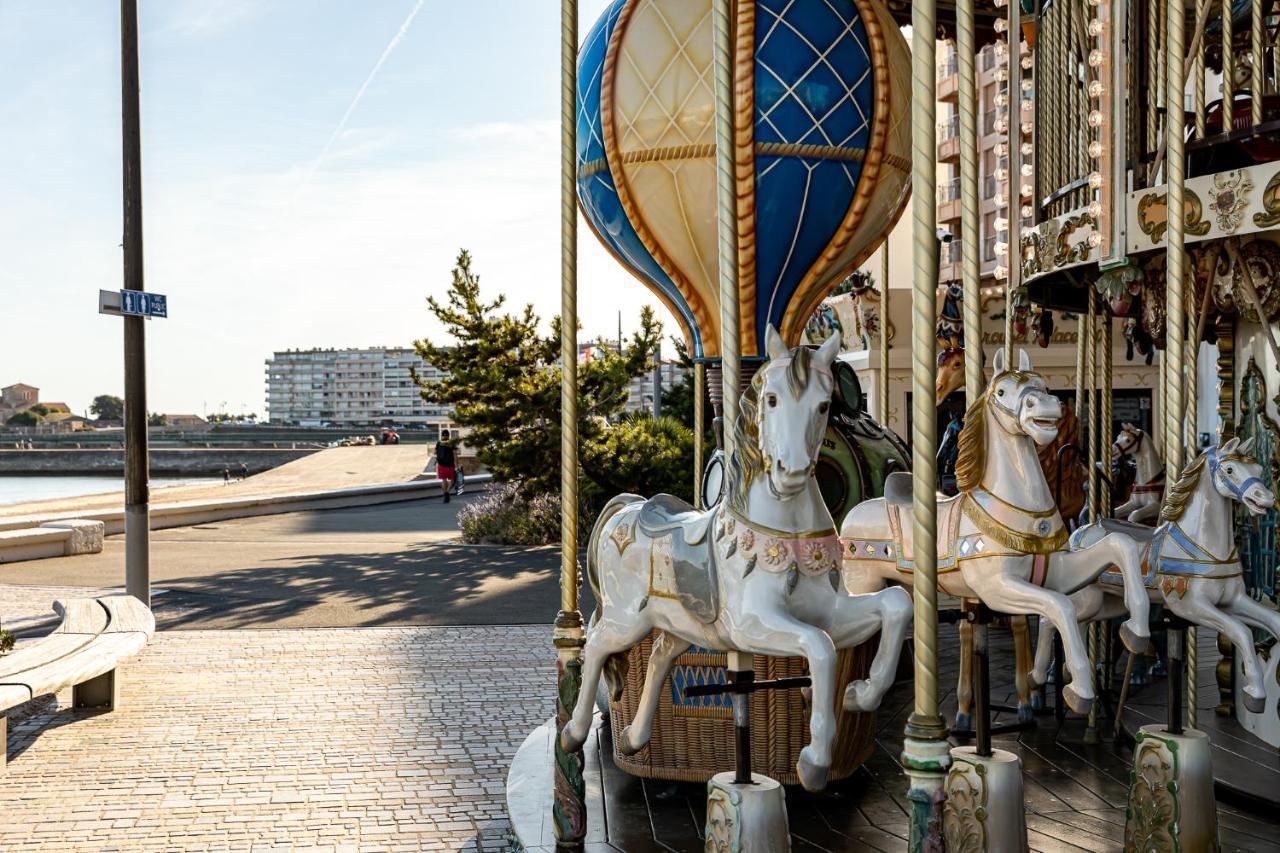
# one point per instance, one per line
(354, 738)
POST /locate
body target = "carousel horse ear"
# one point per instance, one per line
(829, 350)
(1245, 446)
(773, 344)
(1229, 447)
(1024, 361)
(997, 363)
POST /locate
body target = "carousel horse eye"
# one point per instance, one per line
(823, 406)
(772, 399)
(1000, 393)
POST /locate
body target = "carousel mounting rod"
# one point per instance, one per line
(1175, 264)
(726, 215)
(969, 224)
(884, 333)
(926, 754)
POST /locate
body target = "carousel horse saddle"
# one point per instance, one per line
(897, 488)
(683, 562)
(1140, 533)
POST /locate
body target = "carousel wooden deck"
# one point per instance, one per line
(1075, 793)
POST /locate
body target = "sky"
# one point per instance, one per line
(310, 170)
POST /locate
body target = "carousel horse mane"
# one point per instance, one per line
(1180, 494)
(972, 459)
(1181, 491)
(747, 461)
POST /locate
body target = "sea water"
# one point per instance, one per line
(14, 490)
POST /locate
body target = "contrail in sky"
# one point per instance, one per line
(351, 108)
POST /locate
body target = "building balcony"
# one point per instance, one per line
(948, 79)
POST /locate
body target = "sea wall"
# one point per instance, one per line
(178, 462)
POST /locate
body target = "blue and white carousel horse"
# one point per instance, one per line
(1190, 562)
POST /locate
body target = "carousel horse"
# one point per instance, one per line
(1145, 497)
(1190, 562)
(758, 573)
(1001, 540)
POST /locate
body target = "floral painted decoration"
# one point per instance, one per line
(1230, 196)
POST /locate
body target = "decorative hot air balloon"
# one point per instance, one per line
(822, 148)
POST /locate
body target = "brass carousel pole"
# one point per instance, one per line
(884, 334)
(569, 810)
(1090, 370)
(925, 753)
(970, 226)
(699, 427)
(726, 216)
(1013, 232)
(1191, 361)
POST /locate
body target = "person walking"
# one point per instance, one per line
(446, 464)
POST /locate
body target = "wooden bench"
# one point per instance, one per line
(95, 636)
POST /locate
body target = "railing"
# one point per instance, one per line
(948, 64)
(948, 129)
(1063, 75)
(951, 252)
(949, 191)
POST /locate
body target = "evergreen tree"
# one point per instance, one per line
(677, 400)
(503, 384)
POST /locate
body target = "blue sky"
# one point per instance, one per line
(269, 222)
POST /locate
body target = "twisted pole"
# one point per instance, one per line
(1013, 251)
(1175, 265)
(726, 216)
(884, 334)
(569, 812)
(970, 272)
(1090, 369)
(1191, 353)
(925, 754)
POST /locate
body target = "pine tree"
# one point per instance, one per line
(503, 383)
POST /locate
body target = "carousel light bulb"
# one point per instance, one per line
(1002, 125)
(1095, 239)
(1027, 190)
(1001, 174)
(1026, 149)
(1095, 28)
(1000, 223)
(1027, 105)
(1027, 211)
(1027, 62)
(1095, 179)
(1001, 149)
(1027, 84)
(1001, 25)
(1001, 248)
(1002, 100)
(1095, 210)
(1000, 271)
(1002, 49)
(1001, 73)
(1001, 199)
(1096, 88)
(1025, 170)
(1095, 149)
(1095, 118)
(1095, 58)
(1026, 127)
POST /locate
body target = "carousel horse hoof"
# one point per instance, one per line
(1158, 669)
(1254, 704)
(568, 742)
(628, 746)
(859, 697)
(1037, 701)
(1026, 712)
(1132, 641)
(964, 723)
(1034, 682)
(812, 776)
(1076, 702)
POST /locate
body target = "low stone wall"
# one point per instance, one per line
(182, 462)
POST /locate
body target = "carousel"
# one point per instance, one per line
(765, 669)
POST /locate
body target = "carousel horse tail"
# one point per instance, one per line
(615, 668)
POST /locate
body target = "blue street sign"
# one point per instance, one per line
(142, 304)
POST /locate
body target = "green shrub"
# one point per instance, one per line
(507, 516)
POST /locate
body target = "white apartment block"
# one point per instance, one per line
(349, 387)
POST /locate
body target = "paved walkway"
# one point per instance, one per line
(396, 564)
(333, 468)
(368, 739)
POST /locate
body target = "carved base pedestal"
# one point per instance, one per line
(984, 809)
(746, 818)
(1171, 802)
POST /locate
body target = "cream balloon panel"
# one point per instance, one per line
(821, 146)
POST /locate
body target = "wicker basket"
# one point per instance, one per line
(693, 739)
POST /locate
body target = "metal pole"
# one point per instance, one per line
(1090, 368)
(569, 810)
(1013, 255)
(970, 227)
(726, 216)
(884, 334)
(1175, 266)
(699, 427)
(137, 521)
(925, 753)
(657, 382)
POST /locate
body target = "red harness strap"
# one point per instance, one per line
(1039, 569)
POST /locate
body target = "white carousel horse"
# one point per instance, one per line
(758, 573)
(1190, 561)
(1144, 501)
(1000, 540)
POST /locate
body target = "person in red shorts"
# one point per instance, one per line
(446, 463)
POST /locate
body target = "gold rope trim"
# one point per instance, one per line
(1023, 543)
(781, 534)
(707, 151)
(744, 137)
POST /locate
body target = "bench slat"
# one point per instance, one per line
(128, 614)
(102, 655)
(81, 616)
(29, 656)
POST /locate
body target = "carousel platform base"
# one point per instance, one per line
(1246, 769)
(1073, 793)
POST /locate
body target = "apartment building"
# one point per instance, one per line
(349, 387)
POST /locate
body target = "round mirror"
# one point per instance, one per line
(713, 480)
